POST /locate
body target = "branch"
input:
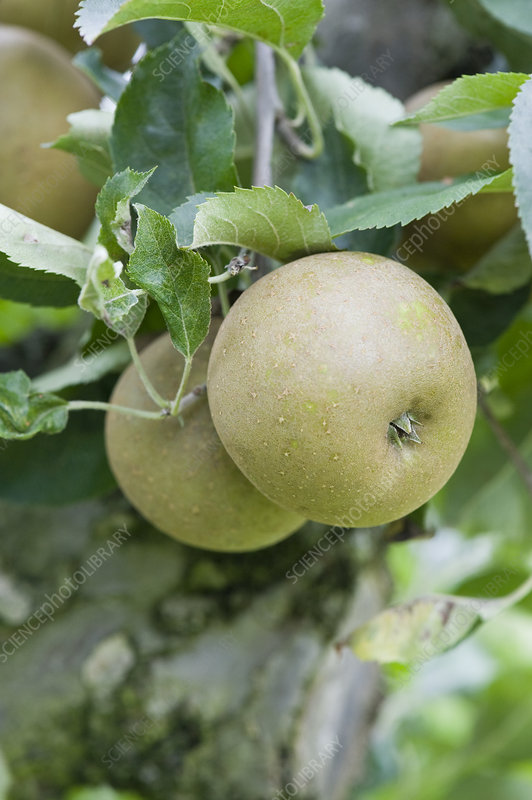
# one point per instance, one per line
(187, 401)
(192, 397)
(264, 125)
(266, 110)
(506, 443)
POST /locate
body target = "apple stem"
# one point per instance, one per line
(305, 105)
(150, 388)
(223, 295)
(175, 407)
(93, 405)
(186, 402)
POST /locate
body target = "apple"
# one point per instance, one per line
(39, 87)
(343, 388)
(56, 18)
(458, 237)
(180, 478)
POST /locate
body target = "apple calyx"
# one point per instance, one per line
(402, 429)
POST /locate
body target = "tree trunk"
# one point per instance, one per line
(130, 660)
(400, 51)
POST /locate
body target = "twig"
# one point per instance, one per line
(506, 443)
(223, 296)
(186, 402)
(192, 397)
(266, 109)
(305, 103)
(175, 408)
(236, 265)
(150, 388)
(264, 126)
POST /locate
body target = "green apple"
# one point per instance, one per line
(39, 87)
(343, 388)
(180, 478)
(457, 237)
(56, 18)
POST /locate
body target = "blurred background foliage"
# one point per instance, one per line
(460, 726)
(18, 320)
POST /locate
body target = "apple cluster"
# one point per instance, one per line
(340, 389)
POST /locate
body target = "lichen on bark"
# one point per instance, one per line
(178, 673)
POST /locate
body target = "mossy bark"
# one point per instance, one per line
(177, 673)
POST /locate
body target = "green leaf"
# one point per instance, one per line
(401, 206)
(113, 210)
(84, 369)
(193, 149)
(88, 140)
(25, 412)
(420, 629)
(184, 216)
(155, 32)
(211, 58)
(289, 24)
(176, 278)
(427, 626)
(30, 244)
(514, 13)
(505, 267)
(500, 118)
(521, 156)
(471, 94)
(264, 219)
(109, 81)
(328, 181)
(37, 288)
(500, 182)
(365, 114)
(105, 295)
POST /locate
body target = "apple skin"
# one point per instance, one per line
(478, 222)
(39, 87)
(56, 18)
(181, 478)
(313, 363)
(448, 152)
